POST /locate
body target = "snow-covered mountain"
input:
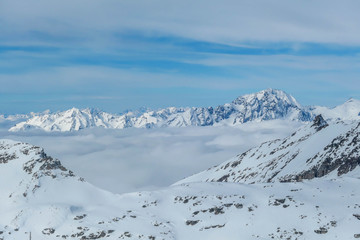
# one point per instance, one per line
(73, 120)
(39, 196)
(316, 150)
(350, 110)
(265, 105)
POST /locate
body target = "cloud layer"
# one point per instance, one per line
(117, 54)
(228, 21)
(139, 159)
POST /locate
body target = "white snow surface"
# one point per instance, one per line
(39, 196)
(350, 110)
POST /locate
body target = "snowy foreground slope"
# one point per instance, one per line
(315, 150)
(265, 105)
(39, 195)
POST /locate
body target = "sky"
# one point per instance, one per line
(117, 55)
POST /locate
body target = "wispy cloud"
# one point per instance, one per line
(228, 21)
(181, 51)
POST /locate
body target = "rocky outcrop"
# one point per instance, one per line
(319, 123)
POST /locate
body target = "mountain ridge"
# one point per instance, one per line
(265, 105)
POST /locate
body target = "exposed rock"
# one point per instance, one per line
(191, 222)
(48, 231)
(319, 123)
(321, 230)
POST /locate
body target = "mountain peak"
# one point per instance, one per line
(268, 95)
(74, 109)
(266, 105)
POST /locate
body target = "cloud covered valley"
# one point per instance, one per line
(145, 159)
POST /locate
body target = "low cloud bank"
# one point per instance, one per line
(142, 159)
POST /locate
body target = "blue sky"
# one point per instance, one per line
(117, 54)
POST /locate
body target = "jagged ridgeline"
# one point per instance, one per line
(265, 105)
(315, 150)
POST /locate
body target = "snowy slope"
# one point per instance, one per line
(265, 105)
(316, 150)
(350, 110)
(41, 196)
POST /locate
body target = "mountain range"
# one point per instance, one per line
(265, 105)
(304, 186)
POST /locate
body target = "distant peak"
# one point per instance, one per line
(74, 109)
(72, 112)
(319, 123)
(268, 94)
(352, 100)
